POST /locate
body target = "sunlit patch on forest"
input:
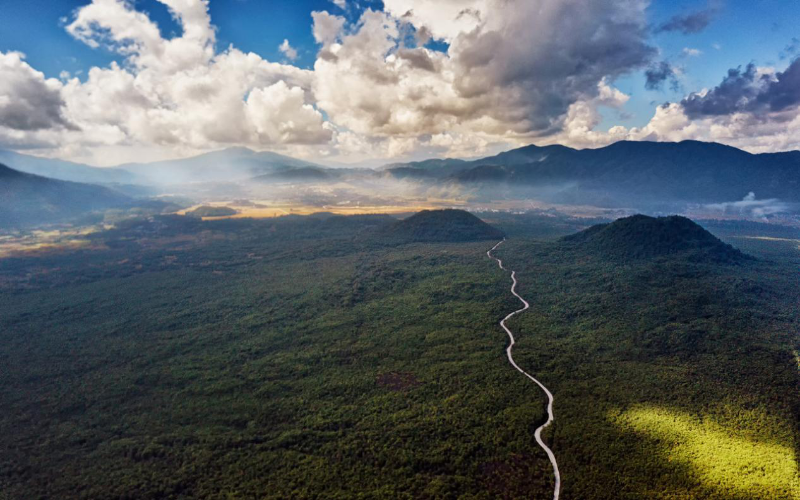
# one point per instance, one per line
(721, 458)
(264, 210)
(31, 242)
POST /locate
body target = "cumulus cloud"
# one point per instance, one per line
(116, 25)
(279, 114)
(584, 116)
(755, 109)
(443, 19)
(28, 100)
(326, 27)
(287, 50)
(177, 93)
(748, 91)
(514, 71)
(660, 73)
(511, 72)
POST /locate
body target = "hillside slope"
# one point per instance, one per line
(27, 199)
(64, 170)
(641, 236)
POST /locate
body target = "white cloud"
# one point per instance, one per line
(31, 106)
(287, 50)
(515, 72)
(445, 19)
(510, 75)
(116, 25)
(750, 206)
(173, 93)
(342, 4)
(583, 117)
(326, 27)
(690, 52)
(279, 115)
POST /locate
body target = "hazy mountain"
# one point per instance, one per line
(232, 164)
(27, 199)
(640, 236)
(688, 171)
(297, 174)
(441, 226)
(64, 170)
(623, 174)
(228, 165)
(209, 211)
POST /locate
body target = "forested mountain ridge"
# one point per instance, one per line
(686, 171)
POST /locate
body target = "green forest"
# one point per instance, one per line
(308, 357)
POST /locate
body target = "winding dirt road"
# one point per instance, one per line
(550, 399)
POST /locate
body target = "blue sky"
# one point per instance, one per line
(739, 32)
(35, 27)
(746, 31)
(742, 32)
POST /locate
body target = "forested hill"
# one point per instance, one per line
(440, 226)
(641, 237)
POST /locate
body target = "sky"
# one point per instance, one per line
(343, 81)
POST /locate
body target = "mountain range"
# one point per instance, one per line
(689, 171)
(622, 174)
(228, 165)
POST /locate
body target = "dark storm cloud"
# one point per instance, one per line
(36, 111)
(693, 22)
(28, 102)
(543, 69)
(658, 74)
(745, 91)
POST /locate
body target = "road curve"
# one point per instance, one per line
(550, 399)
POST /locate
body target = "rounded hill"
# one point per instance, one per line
(641, 237)
(441, 226)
